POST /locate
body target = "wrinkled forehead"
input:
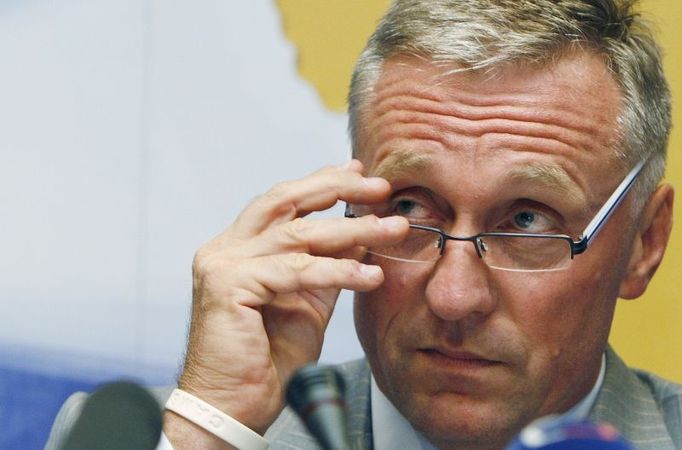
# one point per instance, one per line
(556, 85)
(561, 119)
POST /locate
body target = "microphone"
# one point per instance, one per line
(119, 415)
(316, 393)
(548, 434)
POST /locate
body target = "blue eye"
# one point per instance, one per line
(531, 221)
(419, 210)
(524, 219)
(405, 207)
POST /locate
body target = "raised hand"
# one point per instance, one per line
(265, 289)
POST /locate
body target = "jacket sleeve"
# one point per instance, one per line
(66, 417)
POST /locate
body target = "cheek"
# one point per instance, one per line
(565, 316)
(400, 285)
(384, 315)
(377, 308)
(551, 309)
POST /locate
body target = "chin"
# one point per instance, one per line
(464, 423)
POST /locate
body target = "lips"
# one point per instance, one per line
(458, 358)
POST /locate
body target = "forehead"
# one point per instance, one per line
(559, 118)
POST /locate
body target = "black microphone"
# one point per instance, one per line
(316, 393)
(119, 415)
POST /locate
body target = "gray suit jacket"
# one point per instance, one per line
(645, 408)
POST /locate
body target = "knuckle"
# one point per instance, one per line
(277, 191)
(368, 229)
(350, 270)
(199, 262)
(296, 229)
(209, 264)
(373, 221)
(205, 269)
(342, 177)
(293, 235)
(280, 199)
(299, 262)
(353, 267)
(328, 169)
(215, 250)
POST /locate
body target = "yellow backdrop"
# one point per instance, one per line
(329, 35)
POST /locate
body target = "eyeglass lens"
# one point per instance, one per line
(503, 252)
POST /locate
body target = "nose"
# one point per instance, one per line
(460, 285)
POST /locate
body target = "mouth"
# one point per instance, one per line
(458, 359)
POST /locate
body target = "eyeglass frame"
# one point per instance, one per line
(576, 246)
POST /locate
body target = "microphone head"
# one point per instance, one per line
(548, 434)
(316, 393)
(116, 416)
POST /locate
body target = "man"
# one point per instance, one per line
(482, 238)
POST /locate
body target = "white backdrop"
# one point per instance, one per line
(131, 132)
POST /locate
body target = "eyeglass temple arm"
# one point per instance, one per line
(605, 212)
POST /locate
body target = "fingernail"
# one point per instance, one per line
(374, 182)
(392, 223)
(370, 271)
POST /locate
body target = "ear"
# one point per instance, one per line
(650, 243)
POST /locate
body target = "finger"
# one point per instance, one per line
(316, 192)
(268, 276)
(329, 237)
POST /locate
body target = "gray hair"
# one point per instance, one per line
(479, 35)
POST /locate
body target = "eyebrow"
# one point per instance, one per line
(551, 177)
(400, 162)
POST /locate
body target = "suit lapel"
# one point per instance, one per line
(626, 402)
(358, 405)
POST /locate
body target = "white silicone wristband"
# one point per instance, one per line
(215, 421)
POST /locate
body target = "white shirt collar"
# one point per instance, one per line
(391, 430)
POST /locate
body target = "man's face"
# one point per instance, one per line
(467, 353)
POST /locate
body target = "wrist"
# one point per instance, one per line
(212, 421)
(252, 405)
(186, 435)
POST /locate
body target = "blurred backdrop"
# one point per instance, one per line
(132, 131)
